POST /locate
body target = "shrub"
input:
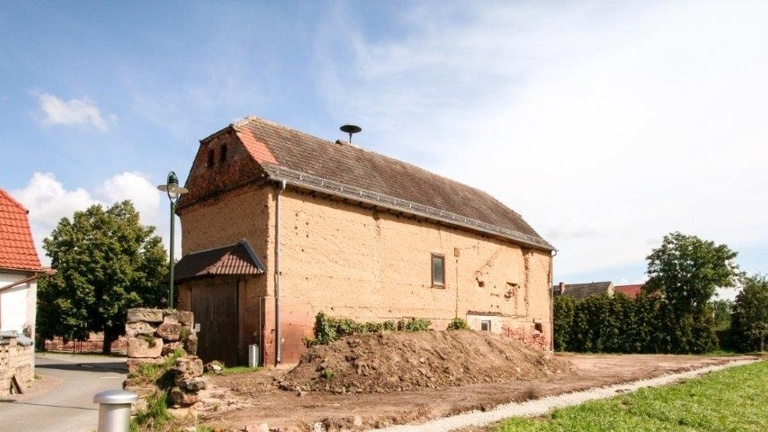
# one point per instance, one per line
(458, 324)
(329, 329)
(414, 325)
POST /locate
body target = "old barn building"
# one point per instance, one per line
(279, 225)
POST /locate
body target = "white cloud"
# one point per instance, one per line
(49, 201)
(76, 112)
(627, 121)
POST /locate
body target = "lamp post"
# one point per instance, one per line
(174, 191)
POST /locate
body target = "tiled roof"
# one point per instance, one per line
(351, 172)
(17, 248)
(584, 290)
(236, 259)
(630, 291)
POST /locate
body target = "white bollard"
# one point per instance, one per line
(114, 410)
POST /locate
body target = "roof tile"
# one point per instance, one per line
(379, 179)
(17, 248)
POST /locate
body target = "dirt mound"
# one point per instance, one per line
(401, 361)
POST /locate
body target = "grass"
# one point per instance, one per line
(729, 400)
(238, 370)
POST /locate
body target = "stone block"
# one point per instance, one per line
(186, 318)
(190, 344)
(180, 397)
(187, 368)
(137, 328)
(145, 347)
(170, 347)
(145, 314)
(169, 331)
(192, 385)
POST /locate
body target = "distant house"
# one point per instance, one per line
(631, 291)
(279, 225)
(19, 268)
(583, 290)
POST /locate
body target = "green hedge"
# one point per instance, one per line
(329, 329)
(618, 324)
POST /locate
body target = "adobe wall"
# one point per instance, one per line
(371, 265)
(364, 264)
(15, 360)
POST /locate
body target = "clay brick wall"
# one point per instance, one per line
(372, 265)
(16, 360)
(368, 264)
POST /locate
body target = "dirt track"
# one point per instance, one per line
(254, 399)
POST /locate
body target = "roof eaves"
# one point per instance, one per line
(381, 200)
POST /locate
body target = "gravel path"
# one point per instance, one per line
(542, 406)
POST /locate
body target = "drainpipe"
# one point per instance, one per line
(552, 302)
(278, 333)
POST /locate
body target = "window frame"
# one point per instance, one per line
(432, 258)
(486, 323)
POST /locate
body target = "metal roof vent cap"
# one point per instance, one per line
(351, 129)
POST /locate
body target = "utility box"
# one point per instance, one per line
(253, 356)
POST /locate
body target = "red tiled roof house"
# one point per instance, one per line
(279, 225)
(19, 268)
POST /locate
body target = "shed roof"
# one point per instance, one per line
(235, 259)
(350, 172)
(630, 291)
(584, 290)
(17, 248)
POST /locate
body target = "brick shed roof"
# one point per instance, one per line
(236, 259)
(362, 175)
(17, 248)
(630, 291)
(584, 290)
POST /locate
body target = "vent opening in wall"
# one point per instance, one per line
(223, 153)
(485, 325)
(210, 158)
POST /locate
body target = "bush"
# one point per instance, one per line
(618, 324)
(458, 324)
(329, 329)
(414, 325)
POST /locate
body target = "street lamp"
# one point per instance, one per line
(174, 191)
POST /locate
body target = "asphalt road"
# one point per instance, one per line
(61, 399)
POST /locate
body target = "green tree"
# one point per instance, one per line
(722, 312)
(106, 262)
(749, 321)
(686, 271)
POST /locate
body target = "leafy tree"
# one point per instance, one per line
(722, 309)
(106, 262)
(686, 271)
(749, 322)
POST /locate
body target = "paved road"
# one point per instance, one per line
(62, 399)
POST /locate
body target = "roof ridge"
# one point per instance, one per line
(251, 118)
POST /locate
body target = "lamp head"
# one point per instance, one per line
(172, 187)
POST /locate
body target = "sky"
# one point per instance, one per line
(605, 124)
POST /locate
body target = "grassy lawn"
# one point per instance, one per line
(734, 399)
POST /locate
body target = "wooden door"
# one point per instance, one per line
(215, 309)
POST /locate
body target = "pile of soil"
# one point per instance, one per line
(402, 361)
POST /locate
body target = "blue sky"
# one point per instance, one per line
(605, 124)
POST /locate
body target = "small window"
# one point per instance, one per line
(438, 270)
(210, 158)
(223, 153)
(485, 325)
